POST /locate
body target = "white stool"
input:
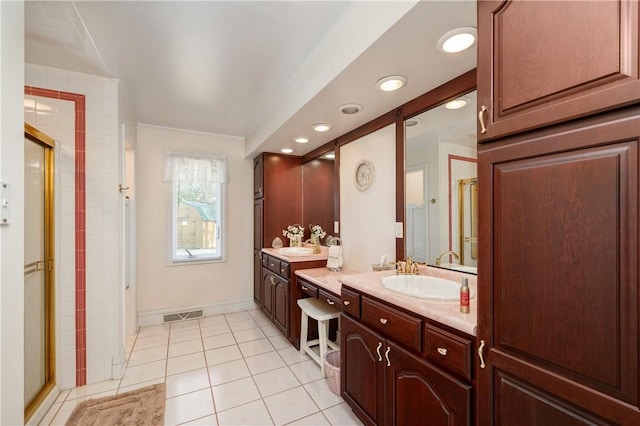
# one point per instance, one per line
(323, 313)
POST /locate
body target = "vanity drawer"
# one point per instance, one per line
(274, 265)
(330, 298)
(307, 288)
(401, 327)
(448, 350)
(265, 259)
(351, 303)
(284, 269)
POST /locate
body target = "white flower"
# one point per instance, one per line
(317, 231)
(293, 230)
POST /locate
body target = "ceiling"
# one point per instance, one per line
(264, 71)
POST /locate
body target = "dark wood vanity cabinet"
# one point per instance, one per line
(387, 377)
(541, 63)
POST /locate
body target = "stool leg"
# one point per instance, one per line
(323, 331)
(304, 322)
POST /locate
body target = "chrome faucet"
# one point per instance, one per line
(446, 253)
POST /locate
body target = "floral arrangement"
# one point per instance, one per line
(293, 231)
(317, 231)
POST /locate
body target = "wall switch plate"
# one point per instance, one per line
(336, 227)
(5, 204)
(399, 230)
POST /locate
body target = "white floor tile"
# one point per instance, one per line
(143, 373)
(270, 330)
(212, 320)
(153, 330)
(204, 421)
(51, 413)
(248, 335)
(218, 341)
(222, 355)
(191, 406)
(184, 335)
(322, 395)
(92, 389)
(238, 316)
(293, 356)
(245, 324)
(183, 363)
(253, 413)
(151, 342)
(190, 381)
(123, 389)
(63, 395)
(260, 318)
(290, 405)
(264, 362)
(279, 342)
(147, 355)
(185, 348)
(255, 347)
(342, 415)
(307, 371)
(215, 330)
(317, 419)
(275, 381)
(185, 325)
(228, 372)
(236, 393)
(68, 406)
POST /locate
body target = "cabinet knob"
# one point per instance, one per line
(346, 303)
(442, 351)
(304, 288)
(331, 302)
(383, 320)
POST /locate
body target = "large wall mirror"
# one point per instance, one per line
(441, 191)
(318, 193)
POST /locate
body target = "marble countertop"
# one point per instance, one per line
(325, 278)
(447, 313)
(323, 255)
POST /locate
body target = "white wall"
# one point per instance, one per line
(367, 218)
(217, 286)
(104, 288)
(12, 235)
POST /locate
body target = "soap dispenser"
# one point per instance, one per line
(464, 296)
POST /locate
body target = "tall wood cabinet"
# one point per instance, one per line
(558, 277)
(277, 193)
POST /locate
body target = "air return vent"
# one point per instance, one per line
(182, 316)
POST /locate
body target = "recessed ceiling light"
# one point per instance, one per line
(350, 109)
(391, 83)
(458, 40)
(286, 150)
(412, 122)
(457, 103)
(321, 127)
(330, 156)
(301, 139)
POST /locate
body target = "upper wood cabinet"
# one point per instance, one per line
(541, 63)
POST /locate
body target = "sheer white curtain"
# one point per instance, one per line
(195, 168)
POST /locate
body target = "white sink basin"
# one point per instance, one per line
(424, 287)
(296, 251)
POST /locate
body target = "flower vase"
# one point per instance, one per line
(315, 240)
(295, 241)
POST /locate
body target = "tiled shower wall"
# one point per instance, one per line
(101, 343)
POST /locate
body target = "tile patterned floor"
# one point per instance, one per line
(232, 369)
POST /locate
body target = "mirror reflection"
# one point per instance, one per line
(318, 194)
(441, 190)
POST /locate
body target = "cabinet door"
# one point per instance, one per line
(558, 282)
(258, 177)
(362, 374)
(541, 63)
(257, 278)
(417, 393)
(268, 280)
(280, 299)
(258, 224)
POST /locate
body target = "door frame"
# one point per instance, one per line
(34, 135)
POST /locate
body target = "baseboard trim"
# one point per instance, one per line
(155, 317)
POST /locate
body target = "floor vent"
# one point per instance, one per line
(182, 316)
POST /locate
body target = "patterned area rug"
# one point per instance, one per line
(143, 406)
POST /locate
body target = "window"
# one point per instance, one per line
(197, 204)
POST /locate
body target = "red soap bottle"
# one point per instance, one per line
(464, 296)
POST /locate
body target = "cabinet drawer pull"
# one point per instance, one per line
(483, 128)
(378, 350)
(346, 303)
(383, 320)
(442, 351)
(305, 288)
(331, 302)
(480, 354)
(272, 279)
(386, 355)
